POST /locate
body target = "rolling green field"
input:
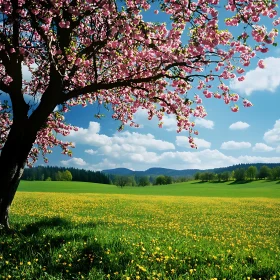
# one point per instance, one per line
(181, 231)
(260, 188)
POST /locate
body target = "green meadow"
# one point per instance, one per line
(259, 188)
(72, 230)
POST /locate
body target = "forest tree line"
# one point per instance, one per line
(241, 174)
(143, 181)
(54, 173)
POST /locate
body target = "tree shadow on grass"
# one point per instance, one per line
(36, 227)
(66, 250)
(219, 182)
(262, 273)
(200, 182)
(240, 182)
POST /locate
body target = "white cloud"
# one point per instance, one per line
(194, 159)
(105, 164)
(204, 123)
(272, 136)
(260, 79)
(232, 145)
(145, 157)
(141, 118)
(131, 140)
(204, 159)
(169, 123)
(142, 151)
(183, 141)
(144, 140)
(91, 152)
(74, 161)
(239, 126)
(261, 147)
(90, 136)
(253, 159)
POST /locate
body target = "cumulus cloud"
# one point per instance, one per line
(261, 147)
(90, 136)
(254, 159)
(233, 145)
(144, 140)
(205, 159)
(143, 151)
(105, 164)
(126, 140)
(169, 123)
(141, 118)
(272, 136)
(183, 141)
(91, 152)
(260, 79)
(239, 126)
(204, 123)
(74, 161)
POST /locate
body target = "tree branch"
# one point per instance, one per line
(122, 83)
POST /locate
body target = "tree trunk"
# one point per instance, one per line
(7, 195)
(12, 161)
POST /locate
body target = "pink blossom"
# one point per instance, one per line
(261, 63)
(247, 103)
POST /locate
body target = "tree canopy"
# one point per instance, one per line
(81, 52)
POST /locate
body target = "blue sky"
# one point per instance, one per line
(251, 135)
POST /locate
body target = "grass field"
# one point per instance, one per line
(183, 231)
(260, 188)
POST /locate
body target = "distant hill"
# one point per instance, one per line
(156, 171)
(119, 171)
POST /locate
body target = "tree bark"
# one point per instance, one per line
(7, 195)
(12, 161)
